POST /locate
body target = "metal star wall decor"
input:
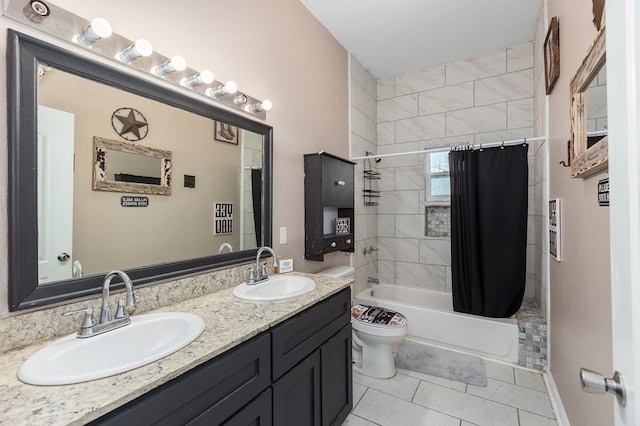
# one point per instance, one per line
(130, 124)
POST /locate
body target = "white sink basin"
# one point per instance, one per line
(276, 288)
(148, 338)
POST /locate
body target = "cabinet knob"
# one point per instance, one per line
(333, 244)
(349, 241)
(341, 183)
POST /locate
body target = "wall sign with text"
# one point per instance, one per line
(222, 218)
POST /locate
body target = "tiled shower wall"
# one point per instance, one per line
(363, 139)
(482, 99)
(541, 174)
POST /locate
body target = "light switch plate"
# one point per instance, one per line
(283, 235)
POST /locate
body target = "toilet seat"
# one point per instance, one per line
(376, 320)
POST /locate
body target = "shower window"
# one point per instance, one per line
(437, 173)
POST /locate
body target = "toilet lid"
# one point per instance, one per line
(377, 315)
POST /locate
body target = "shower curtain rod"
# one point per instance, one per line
(448, 148)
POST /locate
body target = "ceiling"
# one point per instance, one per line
(391, 37)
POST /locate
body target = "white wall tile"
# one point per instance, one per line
(409, 225)
(386, 88)
(520, 57)
(401, 160)
(447, 98)
(364, 102)
(419, 275)
(386, 133)
(476, 120)
(414, 82)
(410, 178)
(483, 66)
(387, 271)
(386, 225)
(504, 135)
(358, 123)
(506, 87)
(398, 108)
(435, 252)
(399, 202)
(398, 249)
(420, 128)
(520, 113)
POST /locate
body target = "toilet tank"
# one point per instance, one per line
(338, 272)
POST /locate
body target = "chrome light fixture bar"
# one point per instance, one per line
(97, 37)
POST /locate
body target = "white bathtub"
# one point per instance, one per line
(431, 318)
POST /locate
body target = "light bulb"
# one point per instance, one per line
(99, 28)
(203, 77)
(240, 100)
(141, 48)
(230, 87)
(265, 105)
(177, 63)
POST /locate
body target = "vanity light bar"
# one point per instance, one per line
(47, 18)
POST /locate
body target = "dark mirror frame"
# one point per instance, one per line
(24, 54)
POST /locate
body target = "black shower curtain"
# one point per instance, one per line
(489, 229)
(256, 195)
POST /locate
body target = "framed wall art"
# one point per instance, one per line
(226, 133)
(552, 55)
(343, 225)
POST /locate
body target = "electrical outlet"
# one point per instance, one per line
(283, 235)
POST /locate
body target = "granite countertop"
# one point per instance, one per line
(229, 322)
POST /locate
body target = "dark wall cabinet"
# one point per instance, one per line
(328, 194)
(298, 373)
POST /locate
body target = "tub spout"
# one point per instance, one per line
(372, 280)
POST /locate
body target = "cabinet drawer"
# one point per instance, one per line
(297, 337)
(338, 242)
(217, 388)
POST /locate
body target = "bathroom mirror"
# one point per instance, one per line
(125, 167)
(589, 150)
(163, 236)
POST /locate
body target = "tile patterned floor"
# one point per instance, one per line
(513, 397)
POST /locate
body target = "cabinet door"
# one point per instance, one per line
(255, 413)
(337, 386)
(296, 396)
(337, 183)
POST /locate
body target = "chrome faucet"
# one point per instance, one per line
(89, 325)
(259, 273)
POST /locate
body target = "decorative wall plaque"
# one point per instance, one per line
(554, 228)
(603, 192)
(129, 201)
(222, 218)
(343, 225)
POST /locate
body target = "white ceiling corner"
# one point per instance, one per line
(394, 37)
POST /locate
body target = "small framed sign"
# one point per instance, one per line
(554, 228)
(222, 218)
(343, 225)
(285, 264)
(603, 192)
(131, 201)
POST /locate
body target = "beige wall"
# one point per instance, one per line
(580, 308)
(274, 50)
(107, 236)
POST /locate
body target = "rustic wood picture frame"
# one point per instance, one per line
(552, 55)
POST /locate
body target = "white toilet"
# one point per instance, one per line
(376, 331)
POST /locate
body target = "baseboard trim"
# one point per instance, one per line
(556, 401)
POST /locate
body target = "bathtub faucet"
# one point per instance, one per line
(371, 249)
(372, 280)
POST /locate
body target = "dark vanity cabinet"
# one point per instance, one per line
(328, 205)
(297, 373)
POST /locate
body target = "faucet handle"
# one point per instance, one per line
(252, 276)
(88, 321)
(121, 312)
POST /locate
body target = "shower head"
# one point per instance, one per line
(377, 159)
